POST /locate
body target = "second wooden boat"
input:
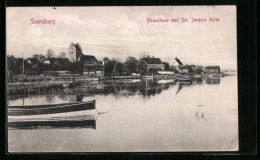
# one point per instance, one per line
(50, 109)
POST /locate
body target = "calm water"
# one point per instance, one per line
(139, 116)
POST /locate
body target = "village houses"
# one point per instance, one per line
(152, 64)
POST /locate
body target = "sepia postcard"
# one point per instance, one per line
(122, 79)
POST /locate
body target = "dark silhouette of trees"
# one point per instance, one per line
(50, 53)
(113, 67)
(130, 64)
(106, 59)
(63, 55)
(142, 68)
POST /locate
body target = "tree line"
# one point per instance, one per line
(49, 62)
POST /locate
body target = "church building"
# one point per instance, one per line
(91, 66)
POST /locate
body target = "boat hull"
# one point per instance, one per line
(52, 124)
(78, 119)
(50, 109)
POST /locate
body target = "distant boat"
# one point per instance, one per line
(50, 108)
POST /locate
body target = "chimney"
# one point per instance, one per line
(153, 56)
(148, 56)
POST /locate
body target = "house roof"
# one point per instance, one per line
(185, 67)
(152, 60)
(212, 67)
(89, 59)
(178, 61)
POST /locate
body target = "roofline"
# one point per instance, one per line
(141, 61)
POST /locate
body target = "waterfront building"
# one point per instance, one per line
(150, 65)
(92, 66)
(212, 70)
(185, 68)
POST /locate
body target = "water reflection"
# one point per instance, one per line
(120, 88)
(198, 81)
(135, 122)
(213, 80)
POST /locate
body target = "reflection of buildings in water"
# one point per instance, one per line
(124, 88)
(50, 98)
(194, 81)
(213, 80)
(146, 87)
(64, 97)
(179, 88)
(197, 81)
(75, 98)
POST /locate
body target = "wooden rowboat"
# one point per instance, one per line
(66, 115)
(50, 109)
(77, 119)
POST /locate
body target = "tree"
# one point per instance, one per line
(38, 57)
(63, 54)
(11, 62)
(57, 65)
(113, 67)
(35, 56)
(131, 64)
(142, 68)
(50, 53)
(106, 59)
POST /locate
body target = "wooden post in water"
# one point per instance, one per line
(9, 77)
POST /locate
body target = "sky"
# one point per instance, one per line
(119, 32)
